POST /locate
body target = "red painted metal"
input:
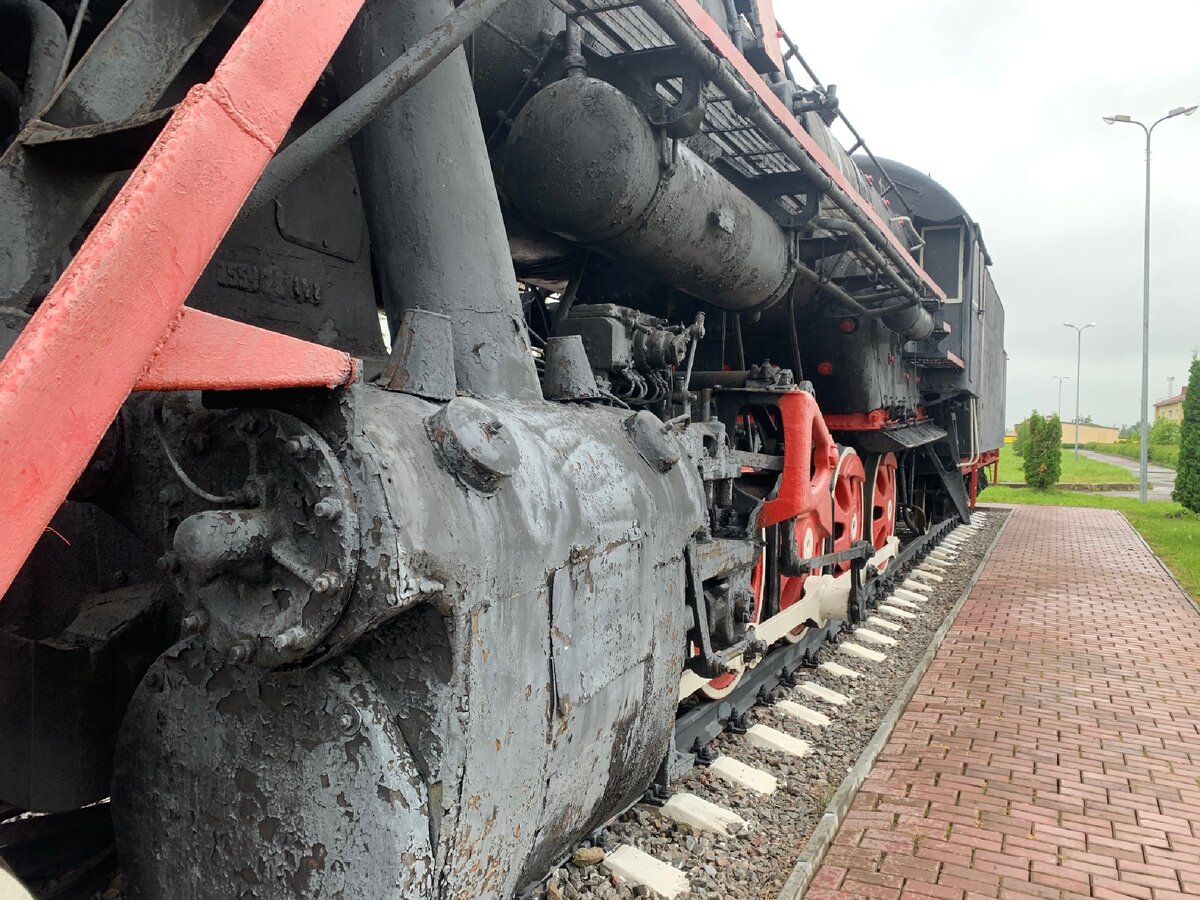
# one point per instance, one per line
(724, 47)
(207, 352)
(766, 17)
(90, 341)
(809, 459)
(847, 505)
(865, 421)
(987, 459)
(883, 501)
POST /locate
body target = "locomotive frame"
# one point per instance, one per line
(665, 380)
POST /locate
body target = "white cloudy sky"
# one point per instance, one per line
(1001, 101)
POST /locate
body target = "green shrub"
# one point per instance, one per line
(1165, 433)
(1187, 479)
(1022, 438)
(1043, 456)
(1052, 448)
(1162, 454)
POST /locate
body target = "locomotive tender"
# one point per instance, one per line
(669, 377)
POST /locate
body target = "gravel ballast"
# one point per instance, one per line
(756, 863)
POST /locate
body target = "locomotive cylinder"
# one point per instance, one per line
(431, 202)
(583, 162)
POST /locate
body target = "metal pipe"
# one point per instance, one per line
(47, 43)
(421, 58)
(430, 200)
(667, 16)
(735, 26)
(915, 326)
(831, 223)
(72, 39)
(567, 300)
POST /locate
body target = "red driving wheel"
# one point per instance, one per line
(880, 506)
(848, 510)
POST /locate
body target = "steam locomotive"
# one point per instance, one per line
(327, 609)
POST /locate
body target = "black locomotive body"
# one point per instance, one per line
(665, 379)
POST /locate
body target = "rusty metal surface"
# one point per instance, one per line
(556, 596)
(123, 74)
(292, 784)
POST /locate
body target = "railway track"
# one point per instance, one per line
(770, 753)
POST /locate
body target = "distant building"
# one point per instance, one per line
(1088, 434)
(1171, 408)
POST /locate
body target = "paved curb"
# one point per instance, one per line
(821, 839)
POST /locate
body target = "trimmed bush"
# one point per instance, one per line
(1042, 461)
(1052, 448)
(1022, 438)
(1187, 478)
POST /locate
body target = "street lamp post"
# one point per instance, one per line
(1060, 379)
(1080, 329)
(1113, 120)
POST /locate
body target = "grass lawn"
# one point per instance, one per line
(1074, 471)
(1171, 531)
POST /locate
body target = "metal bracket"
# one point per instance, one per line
(769, 191)
(639, 73)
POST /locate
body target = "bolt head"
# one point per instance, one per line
(298, 447)
(195, 621)
(326, 583)
(170, 495)
(241, 652)
(328, 508)
(169, 563)
(347, 718)
(289, 639)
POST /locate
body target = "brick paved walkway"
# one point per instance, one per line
(1053, 748)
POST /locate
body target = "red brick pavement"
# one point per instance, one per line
(1052, 750)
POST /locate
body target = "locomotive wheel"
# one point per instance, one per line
(723, 685)
(848, 505)
(810, 541)
(879, 506)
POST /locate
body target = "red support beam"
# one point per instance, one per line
(204, 352)
(118, 302)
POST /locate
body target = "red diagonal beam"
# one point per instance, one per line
(83, 351)
(204, 352)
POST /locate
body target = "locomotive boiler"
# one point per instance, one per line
(664, 380)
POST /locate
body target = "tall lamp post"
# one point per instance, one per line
(1113, 120)
(1079, 329)
(1060, 379)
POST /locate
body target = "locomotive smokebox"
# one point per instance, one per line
(583, 162)
(501, 676)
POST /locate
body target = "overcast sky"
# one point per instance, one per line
(1001, 101)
